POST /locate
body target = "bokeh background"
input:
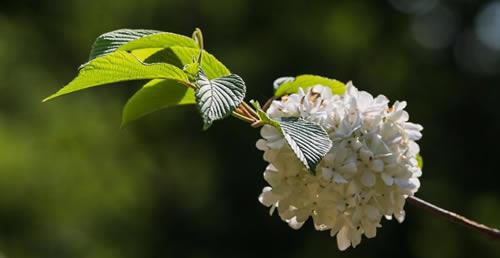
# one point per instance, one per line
(73, 184)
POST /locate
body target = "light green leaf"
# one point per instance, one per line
(217, 98)
(156, 95)
(263, 117)
(420, 161)
(309, 141)
(127, 39)
(305, 81)
(182, 56)
(117, 67)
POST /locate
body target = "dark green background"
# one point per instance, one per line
(73, 184)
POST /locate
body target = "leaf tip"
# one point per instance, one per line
(207, 125)
(49, 98)
(124, 122)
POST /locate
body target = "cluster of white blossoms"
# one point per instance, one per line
(368, 173)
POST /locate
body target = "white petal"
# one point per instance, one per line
(370, 230)
(353, 188)
(330, 158)
(368, 179)
(272, 209)
(366, 155)
(355, 237)
(413, 135)
(413, 149)
(413, 131)
(381, 100)
(262, 145)
(293, 223)
(377, 165)
(410, 183)
(399, 105)
(400, 217)
(349, 168)
(339, 179)
(267, 198)
(327, 173)
(343, 241)
(372, 213)
(388, 180)
(340, 154)
(268, 131)
(276, 144)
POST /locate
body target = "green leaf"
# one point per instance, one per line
(127, 39)
(155, 95)
(309, 141)
(420, 161)
(263, 117)
(182, 56)
(117, 67)
(111, 41)
(217, 98)
(305, 81)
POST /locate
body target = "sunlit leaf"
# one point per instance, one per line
(182, 56)
(290, 86)
(117, 67)
(127, 39)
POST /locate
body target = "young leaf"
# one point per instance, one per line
(126, 39)
(117, 67)
(306, 81)
(155, 95)
(420, 161)
(217, 98)
(111, 41)
(263, 117)
(282, 80)
(309, 141)
(182, 56)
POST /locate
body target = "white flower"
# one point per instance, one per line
(368, 174)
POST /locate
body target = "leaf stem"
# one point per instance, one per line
(198, 37)
(242, 117)
(188, 84)
(268, 103)
(250, 109)
(242, 110)
(455, 218)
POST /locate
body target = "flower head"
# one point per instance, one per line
(368, 173)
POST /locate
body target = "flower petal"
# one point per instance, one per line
(343, 240)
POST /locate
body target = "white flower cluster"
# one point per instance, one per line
(368, 173)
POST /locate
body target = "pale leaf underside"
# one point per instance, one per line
(309, 141)
(217, 98)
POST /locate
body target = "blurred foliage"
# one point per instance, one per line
(73, 184)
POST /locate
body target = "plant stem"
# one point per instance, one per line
(250, 109)
(455, 218)
(242, 117)
(242, 110)
(188, 84)
(268, 103)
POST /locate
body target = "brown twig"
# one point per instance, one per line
(268, 103)
(244, 111)
(455, 218)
